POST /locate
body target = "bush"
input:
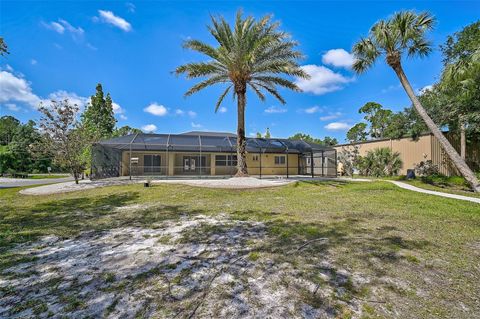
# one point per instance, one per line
(426, 168)
(380, 162)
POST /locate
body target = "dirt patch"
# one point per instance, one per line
(195, 266)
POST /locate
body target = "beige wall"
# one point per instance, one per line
(173, 163)
(427, 147)
(411, 152)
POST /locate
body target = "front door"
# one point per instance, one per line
(193, 164)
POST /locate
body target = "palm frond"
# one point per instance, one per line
(220, 99)
(257, 91)
(195, 70)
(270, 90)
(206, 83)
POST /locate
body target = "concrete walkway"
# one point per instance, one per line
(426, 191)
(20, 182)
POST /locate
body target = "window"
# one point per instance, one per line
(279, 160)
(225, 160)
(255, 158)
(151, 163)
(309, 161)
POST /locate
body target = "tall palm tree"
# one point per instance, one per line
(254, 55)
(405, 33)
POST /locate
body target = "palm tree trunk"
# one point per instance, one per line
(241, 141)
(451, 152)
(463, 140)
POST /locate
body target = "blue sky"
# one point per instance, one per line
(63, 49)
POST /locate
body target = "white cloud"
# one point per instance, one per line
(33, 61)
(63, 25)
(130, 7)
(330, 116)
(16, 89)
(222, 109)
(72, 97)
(149, 128)
(322, 80)
(196, 125)
(313, 109)
(12, 107)
(55, 26)
(275, 109)
(425, 89)
(110, 18)
(392, 88)
(156, 109)
(117, 109)
(338, 58)
(181, 112)
(337, 126)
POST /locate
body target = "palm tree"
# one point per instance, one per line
(405, 33)
(254, 55)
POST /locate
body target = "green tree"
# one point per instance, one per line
(25, 137)
(125, 130)
(329, 141)
(8, 127)
(357, 133)
(3, 47)
(378, 118)
(253, 54)
(98, 118)
(405, 33)
(64, 137)
(461, 45)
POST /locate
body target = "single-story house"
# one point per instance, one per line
(425, 147)
(207, 153)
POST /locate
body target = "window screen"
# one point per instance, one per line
(151, 163)
(225, 160)
(279, 160)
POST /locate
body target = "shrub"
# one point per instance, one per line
(380, 162)
(426, 168)
(348, 158)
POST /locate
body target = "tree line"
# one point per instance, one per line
(61, 140)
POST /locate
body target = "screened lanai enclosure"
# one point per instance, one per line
(200, 154)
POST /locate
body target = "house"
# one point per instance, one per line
(425, 147)
(207, 153)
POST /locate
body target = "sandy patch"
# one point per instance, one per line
(195, 266)
(234, 182)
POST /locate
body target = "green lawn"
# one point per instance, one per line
(45, 176)
(407, 255)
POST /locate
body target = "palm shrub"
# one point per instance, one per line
(253, 54)
(380, 162)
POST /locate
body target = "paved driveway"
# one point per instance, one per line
(19, 182)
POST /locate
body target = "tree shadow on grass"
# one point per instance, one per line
(69, 217)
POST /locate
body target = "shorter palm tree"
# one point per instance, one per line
(254, 54)
(405, 33)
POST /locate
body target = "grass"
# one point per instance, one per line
(45, 176)
(427, 246)
(452, 185)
